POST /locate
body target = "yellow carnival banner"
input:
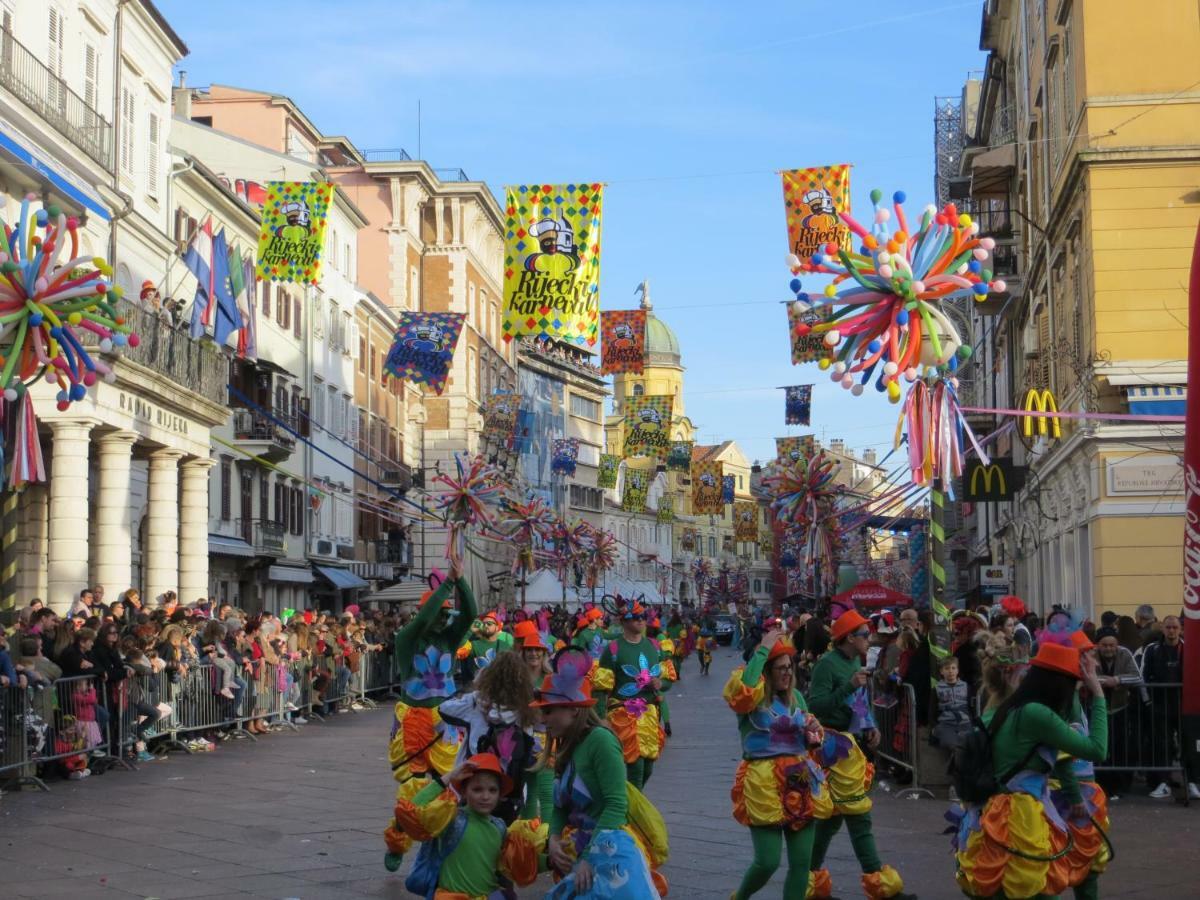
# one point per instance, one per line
(790, 449)
(706, 488)
(812, 198)
(745, 520)
(552, 262)
(648, 425)
(291, 239)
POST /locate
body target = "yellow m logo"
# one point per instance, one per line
(1042, 401)
(988, 472)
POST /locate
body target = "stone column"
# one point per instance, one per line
(34, 545)
(67, 557)
(193, 530)
(113, 543)
(161, 557)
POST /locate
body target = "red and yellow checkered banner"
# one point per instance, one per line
(812, 198)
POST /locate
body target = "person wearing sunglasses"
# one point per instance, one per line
(838, 697)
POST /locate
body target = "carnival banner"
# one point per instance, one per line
(500, 416)
(766, 542)
(523, 434)
(806, 346)
(424, 347)
(687, 540)
(679, 456)
(812, 199)
(666, 510)
(745, 520)
(798, 404)
(648, 425)
(606, 476)
(552, 262)
(291, 238)
(789, 449)
(634, 498)
(623, 334)
(564, 456)
(727, 486)
(706, 488)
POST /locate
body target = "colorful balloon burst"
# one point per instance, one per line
(602, 556)
(531, 522)
(43, 301)
(888, 319)
(470, 499)
(804, 496)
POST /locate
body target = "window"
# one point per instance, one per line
(284, 308)
(153, 149)
(127, 126)
(758, 585)
(473, 308)
(280, 503)
(739, 482)
(226, 489)
(297, 517)
(333, 326)
(371, 371)
(264, 507)
(585, 407)
(639, 389)
(362, 353)
(91, 75)
(472, 380)
(414, 288)
(712, 546)
(343, 335)
(55, 57)
(265, 299)
(347, 263)
(337, 416)
(586, 497)
(491, 322)
(318, 410)
(296, 320)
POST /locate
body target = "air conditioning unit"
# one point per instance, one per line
(323, 547)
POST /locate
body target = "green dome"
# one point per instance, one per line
(660, 340)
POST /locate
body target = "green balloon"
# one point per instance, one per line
(876, 195)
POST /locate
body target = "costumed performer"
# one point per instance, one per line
(677, 631)
(421, 744)
(535, 652)
(589, 635)
(779, 789)
(1017, 844)
(467, 852)
(606, 840)
(704, 649)
(670, 673)
(631, 672)
(838, 697)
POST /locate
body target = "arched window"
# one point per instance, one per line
(638, 390)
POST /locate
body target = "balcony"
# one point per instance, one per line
(398, 477)
(266, 537)
(166, 349)
(25, 76)
(259, 436)
(396, 553)
(396, 155)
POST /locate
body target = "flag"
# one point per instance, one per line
(623, 332)
(500, 416)
(199, 261)
(251, 329)
(648, 425)
(634, 498)
(423, 347)
(552, 262)
(806, 346)
(727, 483)
(745, 520)
(706, 488)
(291, 239)
(241, 282)
(679, 457)
(790, 449)
(227, 319)
(564, 456)
(812, 199)
(606, 477)
(798, 404)
(666, 510)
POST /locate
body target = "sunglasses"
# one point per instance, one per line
(861, 634)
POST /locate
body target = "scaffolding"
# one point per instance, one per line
(947, 144)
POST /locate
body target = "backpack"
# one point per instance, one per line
(972, 765)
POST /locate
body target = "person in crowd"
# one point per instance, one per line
(1121, 680)
(1162, 672)
(589, 635)
(9, 675)
(953, 706)
(838, 698)
(1149, 629)
(1016, 845)
(705, 644)
(969, 636)
(778, 790)
(605, 839)
(919, 671)
(535, 652)
(1001, 668)
(144, 700)
(1128, 635)
(84, 604)
(32, 661)
(76, 659)
(210, 643)
(676, 632)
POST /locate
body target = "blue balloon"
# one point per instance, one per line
(78, 392)
(981, 289)
(56, 331)
(61, 397)
(817, 259)
(975, 266)
(35, 320)
(899, 197)
(952, 364)
(795, 285)
(880, 385)
(873, 346)
(902, 317)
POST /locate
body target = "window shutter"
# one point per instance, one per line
(55, 57)
(127, 125)
(296, 321)
(152, 149)
(1044, 347)
(91, 76)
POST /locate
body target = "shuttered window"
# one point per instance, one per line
(153, 149)
(91, 76)
(127, 126)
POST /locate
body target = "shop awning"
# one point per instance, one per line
(290, 574)
(870, 595)
(992, 169)
(342, 579)
(223, 545)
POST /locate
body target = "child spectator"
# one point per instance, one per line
(954, 715)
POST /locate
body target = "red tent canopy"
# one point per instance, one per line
(870, 595)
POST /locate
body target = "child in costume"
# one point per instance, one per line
(589, 635)
(631, 671)
(496, 718)
(535, 652)
(421, 744)
(677, 632)
(704, 650)
(838, 697)
(606, 840)
(778, 791)
(1018, 844)
(670, 672)
(467, 853)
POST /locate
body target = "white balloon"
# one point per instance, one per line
(848, 382)
(839, 368)
(885, 271)
(833, 337)
(792, 261)
(890, 368)
(857, 390)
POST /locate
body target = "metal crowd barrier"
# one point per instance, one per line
(896, 718)
(1145, 733)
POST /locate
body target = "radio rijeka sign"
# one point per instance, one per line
(1191, 531)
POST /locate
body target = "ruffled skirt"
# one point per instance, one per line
(782, 791)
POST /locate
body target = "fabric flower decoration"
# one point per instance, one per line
(777, 731)
(482, 662)
(432, 675)
(861, 718)
(636, 707)
(642, 676)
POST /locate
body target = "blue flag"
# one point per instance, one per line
(228, 319)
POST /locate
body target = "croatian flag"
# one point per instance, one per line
(199, 261)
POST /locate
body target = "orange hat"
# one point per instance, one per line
(446, 604)
(782, 647)
(1081, 642)
(490, 615)
(1058, 658)
(481, 762)
(849, 621)
(595, 614)
(524, 629)
(537, 641)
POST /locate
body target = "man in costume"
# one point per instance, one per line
(422, 745)
(491, 640)
(630, 671)
(838, 697)
(590, 634)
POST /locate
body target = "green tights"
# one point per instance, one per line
(768, 843)
(861, 839)
(638, 773)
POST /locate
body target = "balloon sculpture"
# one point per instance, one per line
(470, 499)
(531, 522)
(45, 301)
(804, 498)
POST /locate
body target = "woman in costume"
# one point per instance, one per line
(778, 790)
(421, 744)
(606, 840)
(535, 653)
(1018, 844)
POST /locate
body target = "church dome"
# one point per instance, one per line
(662, 346)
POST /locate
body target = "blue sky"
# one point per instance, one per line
(686, 109)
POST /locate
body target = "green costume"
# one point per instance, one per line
(626, 671)
(597, 763)
(417, 638)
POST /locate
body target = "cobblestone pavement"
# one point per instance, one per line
(300, 815)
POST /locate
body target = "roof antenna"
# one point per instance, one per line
(419, 130)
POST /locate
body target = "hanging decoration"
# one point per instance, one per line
(423, 348)
(606, 475)
(727, 486)
(470, 499)
(564, 456)
(648, 425)
(789, 450)
(679, 456)
(552, 262)
(666, 510)
(500, 416)
(812, 200)
(529, 524)
(934, 428)
(807, 345)
(623, 333)
(602, 556)
(804, 498)
(798, 404)
(291, 239)
(706, 488)
(687, 540)
(636, 486)
(745, 521)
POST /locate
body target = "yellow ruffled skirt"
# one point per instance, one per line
(778, 792)
(848, 773)
(421, 744)
(1014, 850)
(641, 736)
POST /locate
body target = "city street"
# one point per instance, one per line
(300, 816)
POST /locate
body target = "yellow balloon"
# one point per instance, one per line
(824, 363)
